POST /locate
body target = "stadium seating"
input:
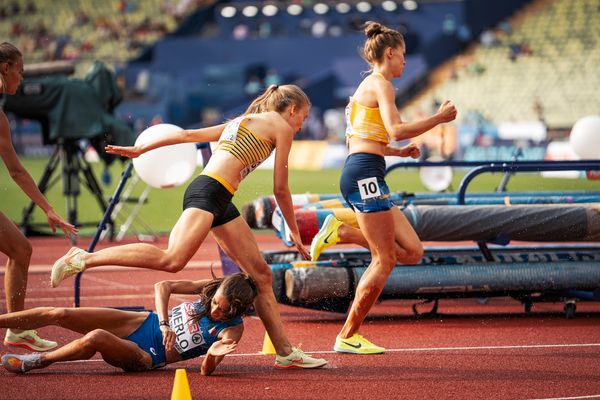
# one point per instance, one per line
(556, 82)
(85, 30)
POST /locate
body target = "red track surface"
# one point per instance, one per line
(468, 351)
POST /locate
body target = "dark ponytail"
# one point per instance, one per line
(239, 289)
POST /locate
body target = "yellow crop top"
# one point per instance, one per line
(365, 122)
(245, 145)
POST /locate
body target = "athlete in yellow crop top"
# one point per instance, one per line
(365, 122)
(277, 114)
(250, 149)
(373, 120)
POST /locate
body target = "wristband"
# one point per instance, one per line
(164, 323)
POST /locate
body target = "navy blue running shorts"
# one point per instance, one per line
(363, 185)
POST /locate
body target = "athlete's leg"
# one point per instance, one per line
(80, 319)
(118, 352)
(18, 250)
(350, 234)
(409, 248)
(378, 229)
(186, 237)
(237, 240)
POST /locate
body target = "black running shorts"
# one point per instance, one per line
(210, 195)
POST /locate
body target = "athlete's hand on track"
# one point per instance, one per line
(298, 243)
(222, 347)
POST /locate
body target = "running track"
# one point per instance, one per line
(469, 350)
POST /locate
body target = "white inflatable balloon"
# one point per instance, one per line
(167, 166)
(436, 179)
(585, 137)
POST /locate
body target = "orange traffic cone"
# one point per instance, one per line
(268, 347)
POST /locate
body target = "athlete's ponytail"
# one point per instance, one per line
(239, 289)
(379, 37)
(278, 98)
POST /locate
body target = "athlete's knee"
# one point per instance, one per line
(414, 253)
(95, 339)
(385, 261)
(174, 262)
(411, 254)
(263, 278)
(55, 314)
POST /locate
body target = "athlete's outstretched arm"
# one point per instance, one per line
(281, 190)
(209, 134)
(22, 178)
(227, 343)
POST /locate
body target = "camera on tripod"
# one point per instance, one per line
(70, 110)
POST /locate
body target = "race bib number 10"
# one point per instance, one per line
(368, 188)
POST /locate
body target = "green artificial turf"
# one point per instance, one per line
(163, 207)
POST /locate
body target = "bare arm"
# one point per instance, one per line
(400, 130)
(410, 150)
(209, 134)
(281, 190)
(227, 343)
(22, 178)
(162, 294)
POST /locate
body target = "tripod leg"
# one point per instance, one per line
(43, 186)
(70, 175)
(93, 186)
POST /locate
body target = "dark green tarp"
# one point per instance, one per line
(73, 108)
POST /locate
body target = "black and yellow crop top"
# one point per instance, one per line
(245, 145)
(365, 122)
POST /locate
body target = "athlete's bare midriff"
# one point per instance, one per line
(359, 145)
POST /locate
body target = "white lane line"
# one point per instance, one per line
(533, 346)
(591, 396)
(415, 349)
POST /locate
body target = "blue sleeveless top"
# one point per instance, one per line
(195, 335)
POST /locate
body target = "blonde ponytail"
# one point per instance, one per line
(278, 98)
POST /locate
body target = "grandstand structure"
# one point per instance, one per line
(83, 31)
(180, 57)
(542, 64)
